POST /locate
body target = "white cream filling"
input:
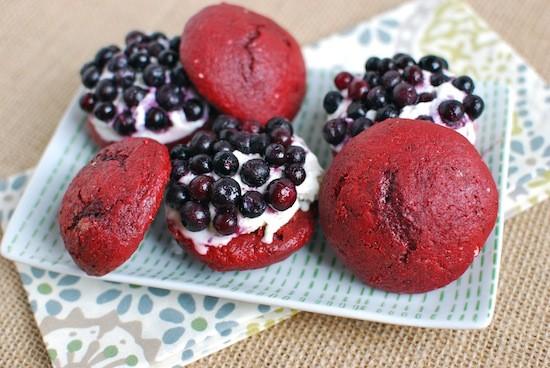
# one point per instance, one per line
(272, 220)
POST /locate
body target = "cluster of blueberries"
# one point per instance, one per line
(387, 86)
(155, 58)
(212, 151)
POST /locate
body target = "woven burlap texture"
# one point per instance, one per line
(43, 45)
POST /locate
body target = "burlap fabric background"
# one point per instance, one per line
(42, 46)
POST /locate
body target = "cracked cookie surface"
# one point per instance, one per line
(407, 205)
(111, 202)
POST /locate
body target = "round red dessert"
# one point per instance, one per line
(407, 205)
(243, 63)
(111, 202)
(247, 251)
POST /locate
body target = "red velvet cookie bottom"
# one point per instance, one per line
(247, 251)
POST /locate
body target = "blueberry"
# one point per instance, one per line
(179, 169)
(169, 97)
(104, 111)
(342, 80)
(87, 102)
(281, 135)
(391, 78)
(295, 155)
(357, 88)
(195, 216)
(117, 62)
(356, 110)
(413, 74)
(403, 60)
(226, 193)
(464, 83)
(106, 90)
(258, 143)
(425, 117)
(252, 204)
(200, 187)
(155, 48)
(224, 122)
(133, 48)
(168, 58)
(193, 109)
(227, 134)
(222, 146)
(451, 112)
(177, 195)
(90, 77)
(124, 123)
(295, 173)
(358, 126)
(275, 154)
(226, 222)
(179, 77)
(133, 96)
(139, 60)
(84, 68)
(175, 44)
(181, 152)
(376, 98)
(200, 164)
(153, 75)
(385, 65)
(225, 163)
(372, 78)
(432, 63)
(157, 119)
(438, 79)
(125, 78)
(386, 112)
(136, 37)
(404, 94)
(426, 97)
(158, 36)
(202, 142)
(241, 141)
(104, 55)
(278, 122)
(334, 131)
(255, 172)
(281, 194)
(372, 64)
(331, 101)
(473, 105)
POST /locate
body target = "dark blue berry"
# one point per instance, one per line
(426, 97)
(278, 123)
(413, 74)
(104, 111)
(432, 63)
(295, 173)
(84, 68)
(224, 122)
(464, 83)
(106, 90)
(255, 172)
(193, 109)
(200, 164)
(200, 187)
(169, 97)
(125, 78)
(275, 154)
(227, 134)
(258, 143)
(118, 62)
(179, 169)
(104, 55)
(438, 79)
(391, 78)
(180, 152)
(168, 58)
(385, 65)
(133, 48)
(376, 98)
(473, 105)
(179, 77)
(136, 37)
(225, 163)
(331, 101)
(87, 102)
(195, 216)
(202, 142)
(155, 48)
(226, 222)
(356, 110)
(226, 193)
(334, 131)
(157, 119)
(451, 112)
(154, 76)
(281, 194)
(252, 204)
(139, 60)
(358, 125)
(404, 94)
(386, 112)
(281, 135)
(372, 78)
(241, 141)
(124, 123)
(158, 36)
(133, 96)
(372, 64)
(403, 60)
(177, 195)
(295, 155)
(222, 146)
(175, 44)
(90, 77)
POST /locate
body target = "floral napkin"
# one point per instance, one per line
(87, 322)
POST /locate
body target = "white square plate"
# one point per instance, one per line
(311, 279)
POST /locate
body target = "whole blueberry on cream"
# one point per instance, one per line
(141, 91)
(234, 181)
(400, 87)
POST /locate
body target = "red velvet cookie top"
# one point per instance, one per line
(243, 63)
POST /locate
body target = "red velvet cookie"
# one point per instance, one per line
(243, 63)
(407, 205)
(111, 202)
